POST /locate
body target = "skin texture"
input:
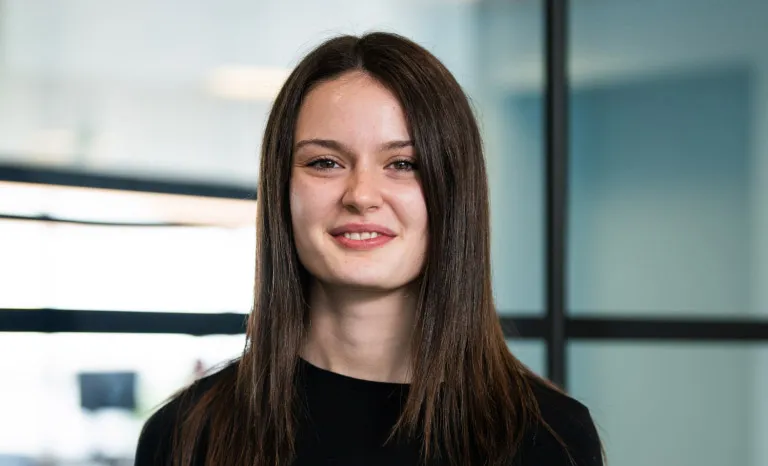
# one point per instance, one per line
(354, 162)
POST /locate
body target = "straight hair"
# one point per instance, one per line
(469, 399)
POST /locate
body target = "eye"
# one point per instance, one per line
(404, 165)
(323, 164)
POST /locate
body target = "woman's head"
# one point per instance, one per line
(373, 134)
(358, 212)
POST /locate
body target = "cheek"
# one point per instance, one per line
(296, 206)
(413, 209)
(309, 208)
(299, 219)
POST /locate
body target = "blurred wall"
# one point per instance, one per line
(669, 184)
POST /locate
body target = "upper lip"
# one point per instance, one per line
(362, 228)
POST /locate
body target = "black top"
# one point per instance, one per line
(349, 420)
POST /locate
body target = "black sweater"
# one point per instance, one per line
(349, 420)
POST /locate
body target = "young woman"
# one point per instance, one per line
(374, 339)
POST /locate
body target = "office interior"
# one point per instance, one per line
(129, 142)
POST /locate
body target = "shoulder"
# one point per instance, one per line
(571, 421)
(156, 438)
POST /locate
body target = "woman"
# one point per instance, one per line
(374, 338)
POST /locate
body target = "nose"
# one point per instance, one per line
(363, 192)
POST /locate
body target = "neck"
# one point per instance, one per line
(361, 333)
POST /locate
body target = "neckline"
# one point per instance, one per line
(335, 377)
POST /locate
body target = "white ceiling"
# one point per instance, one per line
(126, 86)
(121, 86)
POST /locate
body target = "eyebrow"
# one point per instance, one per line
(338, 146)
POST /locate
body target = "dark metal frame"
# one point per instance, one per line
(75, 178)
(556, 185)
(232, 323)
(555, 327)
(560, 328)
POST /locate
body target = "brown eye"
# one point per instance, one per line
(403, 165)
(323, 164)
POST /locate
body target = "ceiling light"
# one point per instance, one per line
(117, 206)
(247, 82)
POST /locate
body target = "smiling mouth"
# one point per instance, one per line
(363, 240)
(361, 236)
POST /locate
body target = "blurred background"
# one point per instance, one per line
(129, 142)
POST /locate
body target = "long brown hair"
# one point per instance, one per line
(466, 382)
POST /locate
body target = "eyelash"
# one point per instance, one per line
(317, 162)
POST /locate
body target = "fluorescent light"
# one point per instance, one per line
(104, 205)
(239, 82)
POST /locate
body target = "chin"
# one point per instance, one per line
(365, 278)
(367, 283)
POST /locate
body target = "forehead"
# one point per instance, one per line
(353, 108)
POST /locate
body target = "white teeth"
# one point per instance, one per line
(361, 236)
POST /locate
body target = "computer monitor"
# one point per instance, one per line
(100, 390)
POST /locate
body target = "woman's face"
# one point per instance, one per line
(357, 207)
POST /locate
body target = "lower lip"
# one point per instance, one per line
(363, 244)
